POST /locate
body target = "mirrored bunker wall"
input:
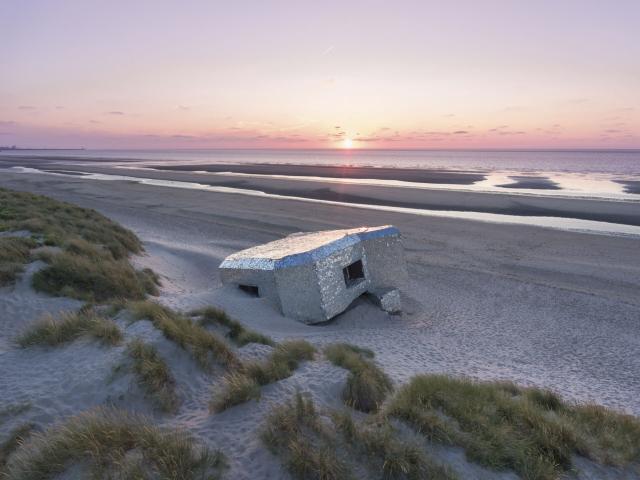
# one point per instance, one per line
(315, 276)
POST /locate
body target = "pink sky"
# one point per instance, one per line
(298, 74)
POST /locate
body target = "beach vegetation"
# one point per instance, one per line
(503, 426)
(237, 388)
(295, 433)
(91, 260)
(15, 439)
(245, 384)
(367, 385)
(110, 443)
(14, 253)
(205, 346)
(237, 332)
(93, 279)
(58, 223)
(52, 331)
(153, 375)
(384, 452)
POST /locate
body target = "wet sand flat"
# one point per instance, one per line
(623, 212)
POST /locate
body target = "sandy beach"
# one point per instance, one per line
(536, 306)
(531, 304)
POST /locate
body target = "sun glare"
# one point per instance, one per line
(347, 143)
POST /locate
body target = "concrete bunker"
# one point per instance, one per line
(314, 276)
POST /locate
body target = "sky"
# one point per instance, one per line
(320, 74)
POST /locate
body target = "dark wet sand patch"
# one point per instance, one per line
(630, 186)
(330, 171)
(531, 182)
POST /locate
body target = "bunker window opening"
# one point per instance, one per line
(250, 289)
(353, 273)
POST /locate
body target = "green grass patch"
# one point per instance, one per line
(14, 253)
(111, 443)
(236, 331)
(205, 346)
(52, 331)
(295, 433)
(15, 439)
(245, 384)
(367, 385)
(97, 279)
(502, 426)
(93, 263)
(379, 446)
(154, 375)
(60, 222)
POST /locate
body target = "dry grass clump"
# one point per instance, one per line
(188, 334)
(237, 388)
(281, 363)
(111, 443)
(385, 454)
(153, 375)
(15, 439)
(367, 385)
(237, 332)
(14, 253)
(245, 384)
(93, 263)
(52, 331)
(294, 432)
(502, 426)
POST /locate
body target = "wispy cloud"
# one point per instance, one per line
(114, 112)
(328, 50)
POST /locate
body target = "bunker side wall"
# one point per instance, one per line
(263, 279)
(299, 293)
(386, 262)
(336, 295)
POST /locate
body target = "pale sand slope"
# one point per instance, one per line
(537, 306)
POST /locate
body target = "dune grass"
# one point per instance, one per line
(206, 347)
(111, 443)
(244, 384)
(14, 253)
(503, 426)
(237, 388)
(379, 446)
(153, 375)
(93, 279)
(367, 385)
(52, 331)
(16, 438)
(58, 222)
(294, 432)
(92, 264)
(237, 332)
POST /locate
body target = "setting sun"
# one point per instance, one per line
(347, 143)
